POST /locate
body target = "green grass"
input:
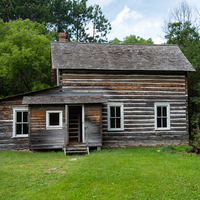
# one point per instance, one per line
(129, 173)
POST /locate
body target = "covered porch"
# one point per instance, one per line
(73, 123)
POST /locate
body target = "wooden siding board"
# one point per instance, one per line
(186, 93)
(138, 93)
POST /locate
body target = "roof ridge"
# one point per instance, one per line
(115, 43)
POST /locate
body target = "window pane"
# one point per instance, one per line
(158, 122)
(25, 116)
(164, 122)
(159, 111)
(25, 128)
(112, 123)
(117, 111)
(118, 125)
(19, 116)
(19, 129)
(164, 111)
(54, 119)
(112, 111)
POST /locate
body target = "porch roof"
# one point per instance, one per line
(63, 99)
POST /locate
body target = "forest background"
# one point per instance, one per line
(27, 27)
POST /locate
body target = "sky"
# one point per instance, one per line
(144, 18)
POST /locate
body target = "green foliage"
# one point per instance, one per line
(175, 149)
(132, 39)
(195, 132)
(32, 9)
(73, 17)
(100, 24)
(25, 57)
(168, 148)
(60, 16)
(80, 20)
(181, 34)
(187, 37)
(115, 41)
(136, 40)
(128, 173)
(25, 44)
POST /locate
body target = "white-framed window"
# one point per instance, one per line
(162, 116)
(20, 122)
(115, 116)
(54, 119)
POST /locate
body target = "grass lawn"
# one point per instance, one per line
(129, 173)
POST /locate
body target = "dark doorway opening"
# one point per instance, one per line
(75, 125)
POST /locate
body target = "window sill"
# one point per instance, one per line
(19, 136)
(53, 128)
(162, 129)
(115, 129)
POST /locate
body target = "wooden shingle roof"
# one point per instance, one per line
(94, 56)
(63, 99)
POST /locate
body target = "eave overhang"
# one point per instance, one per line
(63, 99)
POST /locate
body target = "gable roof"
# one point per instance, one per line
(95, 56)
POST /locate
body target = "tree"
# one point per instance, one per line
(183, 12)
(83, 17)
(35, 10)
(187, 37)
(80, 20)
(136, 39)
(60, 17)
(70, 16)
(7, 10)
(100, 25)
(115, 41)
(182, 34)
(132, 39)
(24, 57)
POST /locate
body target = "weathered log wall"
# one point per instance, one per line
(93, 124)
(40, 137)
(6, 125)
(138, 92)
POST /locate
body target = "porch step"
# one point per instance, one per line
(76, 149)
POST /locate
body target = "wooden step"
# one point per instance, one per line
(76, 152)
(76, 149)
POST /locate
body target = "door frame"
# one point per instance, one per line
(67, 122)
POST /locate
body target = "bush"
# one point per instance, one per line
(175, 149)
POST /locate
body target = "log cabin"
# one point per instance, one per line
(107, 95)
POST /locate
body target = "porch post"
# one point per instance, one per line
(83, 123)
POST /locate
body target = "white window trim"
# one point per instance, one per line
(15, 110)
(168, 115)
(122, 116)
(60, 126)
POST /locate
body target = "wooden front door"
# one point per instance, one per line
(75, 125)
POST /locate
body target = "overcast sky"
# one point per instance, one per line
(143, 18)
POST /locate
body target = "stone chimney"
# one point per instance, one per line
(62, 37)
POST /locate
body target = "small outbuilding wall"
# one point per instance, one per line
(7, 141)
